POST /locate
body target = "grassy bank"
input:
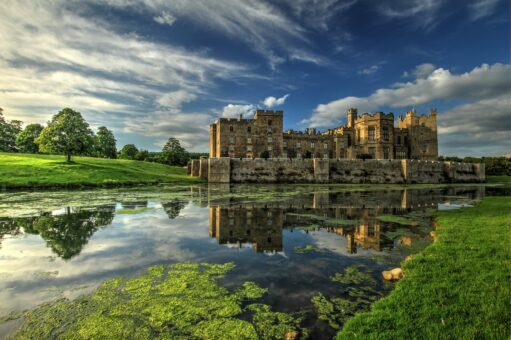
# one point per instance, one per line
(39, 171)
(457, 288)
(498, 179)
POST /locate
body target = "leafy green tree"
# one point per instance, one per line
(265, 154)
(104, 143)
(142, 155)
(67, 133)
(173, 153)
(8, 133)
(26, 138)
(129, 151)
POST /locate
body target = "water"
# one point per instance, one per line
(289, 239)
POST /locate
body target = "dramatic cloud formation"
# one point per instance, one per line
(153, 69)
(272, 101)
(482, 82)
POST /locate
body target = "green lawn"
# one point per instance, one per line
(457, 288)
(25, 170)
(498, 179)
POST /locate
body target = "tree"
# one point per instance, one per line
(173, 153)
(129, 151)
(8, 133)
(104, 143)
(142, 155)
(67, 133)
(26, 138)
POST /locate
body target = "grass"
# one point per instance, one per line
(457, 288)
(498, 179)
(36, 171)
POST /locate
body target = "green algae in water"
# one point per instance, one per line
(176, 301)
(357, 293)
(397, 219)
(310, 248)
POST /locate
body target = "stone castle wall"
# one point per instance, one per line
(284, 170)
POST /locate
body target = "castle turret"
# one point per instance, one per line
(352, 116)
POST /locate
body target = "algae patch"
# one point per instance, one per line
(174, 301)
(356, 293)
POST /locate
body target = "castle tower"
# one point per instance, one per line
(352, 116)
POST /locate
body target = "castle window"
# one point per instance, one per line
(371, 133)
(231, 128)
(406, 140)
(325, 146)
(325, 155)
(249, 140)
(249, 129)
(398, 139)
(385, 153)
(231, 140)
(297, 144)
(312, 145)
(386, 133)
(270, 148)
(269, 122)
(349, 140)
(401, 154)
(358, 135)
(231, 148)
(270, 140)
(249, 147)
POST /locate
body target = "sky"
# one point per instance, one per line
(154, 69)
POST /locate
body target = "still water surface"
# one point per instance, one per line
(289, 239)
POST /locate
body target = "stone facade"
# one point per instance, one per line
(319, 170)
(368, 136)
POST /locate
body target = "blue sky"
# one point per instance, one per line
(154, 69)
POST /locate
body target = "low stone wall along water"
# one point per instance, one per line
(284, 170)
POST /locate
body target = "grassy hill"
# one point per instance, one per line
(26, 170)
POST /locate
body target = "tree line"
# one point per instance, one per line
(69, 134)
(494, 166)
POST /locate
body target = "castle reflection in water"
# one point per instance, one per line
(351, 215)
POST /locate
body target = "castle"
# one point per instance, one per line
(368, 136)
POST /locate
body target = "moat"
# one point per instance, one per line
(308, 245)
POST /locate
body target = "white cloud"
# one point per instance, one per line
(421, 71)
(53, 55)
(369, 70)
(165, 18)
(482, 8)
(234, 110)
(260, 25)
(422, 13)
(272, 101)
(176, 99)
(483, 82)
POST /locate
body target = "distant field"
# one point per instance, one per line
(26, 170)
